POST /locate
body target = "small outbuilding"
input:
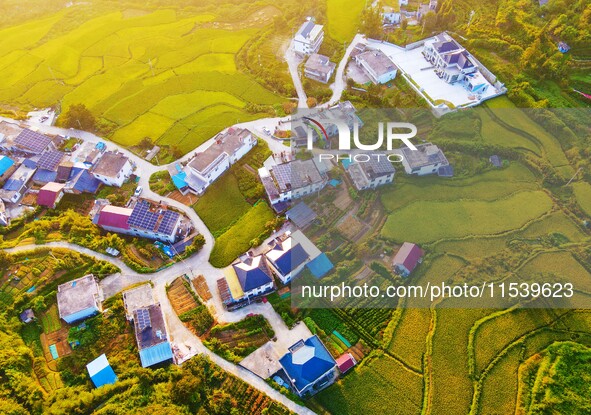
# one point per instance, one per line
(346, 362)
(495, 161)
(27, 316)
(301, 215)
(408, 257)
(100, 372)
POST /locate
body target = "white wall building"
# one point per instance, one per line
(287, 259)
(427, 159)
(292, 180)
(79, 299)
(113, 169)
(453, 63)
(209, 165)
(309, 37)
(372, 173)
(377, 66)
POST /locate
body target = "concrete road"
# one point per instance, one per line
(293, 61)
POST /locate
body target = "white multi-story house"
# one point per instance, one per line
(426, 159)
(245, 280)
(453, 63)
(292, 180)
(309, 37)
(378, 67)
(287, 259)
(375, 172)
(113, 169)
(309, 366)
(209, 165)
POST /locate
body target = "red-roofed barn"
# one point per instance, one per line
(114, 218)
(346, 362)
(408, 257)
(50, 194)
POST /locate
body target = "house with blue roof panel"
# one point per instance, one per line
(100, 372)
(245, 280)
(151, 336)
(309, 366)
(287, 259)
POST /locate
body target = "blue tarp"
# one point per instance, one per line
(5, 164)
(100, 146)
(346, 163)
(320, 266)
(179, 180)
(334, 182)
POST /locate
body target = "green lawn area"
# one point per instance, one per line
(236, 240)
(343, 18)
(426, 221)
(222, 204)
(166, 74)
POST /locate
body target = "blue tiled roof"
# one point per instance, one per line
(84, 181)
(5, 164)
(307, 363)
(30, 164)
(156, 354)
(13, 185)
(320, 266)
(291, 259)
(253, 278)
(44, 176)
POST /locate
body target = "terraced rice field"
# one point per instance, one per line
(163, 74)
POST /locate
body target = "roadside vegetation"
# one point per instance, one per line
(235, 341)
(234, 210)
(34, 383)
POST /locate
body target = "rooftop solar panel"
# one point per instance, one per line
(153, 220)
(32, 141)
(50, 160)
(143, 319)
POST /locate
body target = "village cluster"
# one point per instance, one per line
(34, 172)
(438, 68)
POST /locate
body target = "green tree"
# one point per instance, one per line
(79, 117)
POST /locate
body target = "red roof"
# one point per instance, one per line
(49, 194)
(409, 256)
(114, 217)
(346, 362)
